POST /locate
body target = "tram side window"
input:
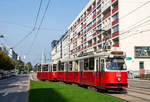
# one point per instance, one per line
(97, 69)
(76, 66)
(81, 63)
(54, 67)
(86, 64)
(59, 66)
(91, 63)
(39, 68)
(70, 66)
(65, 66)
(62, 67)
(102, 64)
(45, 68)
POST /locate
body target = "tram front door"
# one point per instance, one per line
(99, 71)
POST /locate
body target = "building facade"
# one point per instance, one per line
(9, 51)
(110, 24)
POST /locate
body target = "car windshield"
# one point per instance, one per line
(115, 64)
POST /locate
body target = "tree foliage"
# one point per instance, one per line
(19, 65)
(28, 66)
(6, 63)
(35, 69)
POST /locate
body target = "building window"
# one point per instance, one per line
(115, 28)
(94, 12)
(54, 67)
(99, 18)
(99, 8)
(89, 25)
(115, 17)
(99, 27)
(141, 65)
(94, 21)
(142, 51)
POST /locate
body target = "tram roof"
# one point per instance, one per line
(103, 54)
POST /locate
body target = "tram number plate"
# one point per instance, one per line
(118, 75)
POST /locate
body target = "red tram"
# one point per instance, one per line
(105, 70)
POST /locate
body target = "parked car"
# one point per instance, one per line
(6, 75)
(0, 76)
(13, 74)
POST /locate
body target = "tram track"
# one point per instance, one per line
(134, 94)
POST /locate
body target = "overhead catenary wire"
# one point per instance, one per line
(134, 27)
(29, 27)
(133, 34)
(34, 39)
(135, 10)
(33, 29)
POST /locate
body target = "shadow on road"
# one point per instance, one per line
(45, 95)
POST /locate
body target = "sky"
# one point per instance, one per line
(17, 18)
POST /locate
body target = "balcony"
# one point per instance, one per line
(106, 37)
(99, 22)
(94, 16)
(98, 41)
(112, 1)
(89, 45)
(115, 34)
(89, 12)
(94, 7)
(82, 41)
(99, 1)
(116, 45)
(115, 22)
(94, 25)
(82, 26)
(98, 12)
(115, 9)
(94, 43)
(84, 32)
(94, 34)
(89, 28)
(107, 15)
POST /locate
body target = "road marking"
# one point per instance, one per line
(5, 94)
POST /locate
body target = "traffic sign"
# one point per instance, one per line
(128, 58)
(106, 44)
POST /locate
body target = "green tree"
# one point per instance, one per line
(6, 63)
(28, 66)
(19, 65)
(35, 69)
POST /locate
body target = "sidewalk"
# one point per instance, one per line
(138, 79)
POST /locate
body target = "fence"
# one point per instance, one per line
(139, 74)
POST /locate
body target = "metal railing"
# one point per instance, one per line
(144, 74)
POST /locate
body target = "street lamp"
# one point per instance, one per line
(1, 36)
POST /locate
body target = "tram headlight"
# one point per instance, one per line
(119, 79)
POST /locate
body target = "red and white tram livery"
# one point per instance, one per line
(104, 70)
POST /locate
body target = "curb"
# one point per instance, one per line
(28, 88)
(139, 80)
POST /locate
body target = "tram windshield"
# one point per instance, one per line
(115, 64)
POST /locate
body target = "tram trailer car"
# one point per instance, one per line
(106, 70)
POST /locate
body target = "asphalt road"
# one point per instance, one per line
(14, 89)
(138, 91)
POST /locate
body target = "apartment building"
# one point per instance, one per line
(112, 24)
(9, 51)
